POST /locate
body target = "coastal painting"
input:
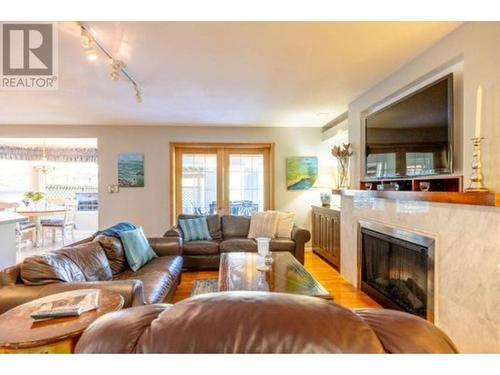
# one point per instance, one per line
(131, 170)
(301, 172)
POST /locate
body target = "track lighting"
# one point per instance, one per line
(116, 66)
(138, 94)
(93, 45)
(90, 51)
(86, 39)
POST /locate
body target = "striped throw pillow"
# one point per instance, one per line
(263, 224)
(195, 229)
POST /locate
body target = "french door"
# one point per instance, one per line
(232, 179)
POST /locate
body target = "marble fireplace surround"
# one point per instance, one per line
(467, 261)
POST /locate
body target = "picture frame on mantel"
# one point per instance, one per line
(130, 170)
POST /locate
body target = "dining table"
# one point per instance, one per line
(35, 215)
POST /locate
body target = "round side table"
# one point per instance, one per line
(19, 333)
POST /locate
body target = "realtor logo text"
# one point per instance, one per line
(28, 56)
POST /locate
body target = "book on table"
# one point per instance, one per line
(71, 306)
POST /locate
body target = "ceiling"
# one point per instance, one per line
(222, 73)
(50, 142)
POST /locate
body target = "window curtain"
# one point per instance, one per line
(83, 155)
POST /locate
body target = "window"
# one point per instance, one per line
(221, 178)
(15, 179)
(199, 184)
(246, 184)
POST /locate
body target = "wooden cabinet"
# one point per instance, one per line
(326, 234)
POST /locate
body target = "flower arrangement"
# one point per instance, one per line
(343, 154)
(34, 196)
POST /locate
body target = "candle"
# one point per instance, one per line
(479, 105)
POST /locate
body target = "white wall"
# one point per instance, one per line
(474, 44)
(149, 206)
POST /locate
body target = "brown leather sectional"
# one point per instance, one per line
(259, 322)
(229, 233)
(99, 263)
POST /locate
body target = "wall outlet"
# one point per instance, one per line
(113, 189)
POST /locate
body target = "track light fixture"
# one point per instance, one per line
(117, 66)
(138, 94)
(86, 39)
(87, 44)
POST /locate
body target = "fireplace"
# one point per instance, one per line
(396, 268)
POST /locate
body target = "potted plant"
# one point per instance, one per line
(342, 154)
(34, 196)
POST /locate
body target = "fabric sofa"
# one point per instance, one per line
(259, 322)
(94, 263)
(229, 234)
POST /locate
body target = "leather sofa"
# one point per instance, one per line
(229, 234)
(259, 322)
(94, 263)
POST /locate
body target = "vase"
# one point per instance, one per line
(265, 258)
(343, 173)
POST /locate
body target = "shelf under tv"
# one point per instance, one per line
(450, 183)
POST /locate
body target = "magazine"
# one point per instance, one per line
(71, 306)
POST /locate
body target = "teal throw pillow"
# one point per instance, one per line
(138, 252)
(195, 229)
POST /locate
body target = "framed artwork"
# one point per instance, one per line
(301, 172)
(131, 170)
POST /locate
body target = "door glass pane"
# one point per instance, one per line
(199, 184)
(246, 184)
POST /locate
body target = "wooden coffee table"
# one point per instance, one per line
(238, 271)
(19, 333)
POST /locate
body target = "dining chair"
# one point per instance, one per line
(23, 227)
(62, 224)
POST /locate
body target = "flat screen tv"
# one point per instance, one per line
(413, 136)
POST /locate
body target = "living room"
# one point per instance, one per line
(246, 176)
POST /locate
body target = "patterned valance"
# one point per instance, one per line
(85, 155)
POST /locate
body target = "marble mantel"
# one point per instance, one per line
(467, 260)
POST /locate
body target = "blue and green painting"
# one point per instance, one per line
(301, 172)
(131, 170)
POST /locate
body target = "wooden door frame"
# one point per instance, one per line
(221, 147)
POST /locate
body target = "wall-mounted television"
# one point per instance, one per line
(413, 136)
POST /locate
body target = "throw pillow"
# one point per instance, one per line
(263, 224)
(213, 222)
(137, 249)
(195, 229)
(285, 224)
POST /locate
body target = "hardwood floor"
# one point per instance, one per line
(343, 292)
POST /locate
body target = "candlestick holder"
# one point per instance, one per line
(476, 178)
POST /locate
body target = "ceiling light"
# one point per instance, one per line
(92, 46)
(138, 95)
(87, 43)
(91, 54)
(116, 65)
(86, 39)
